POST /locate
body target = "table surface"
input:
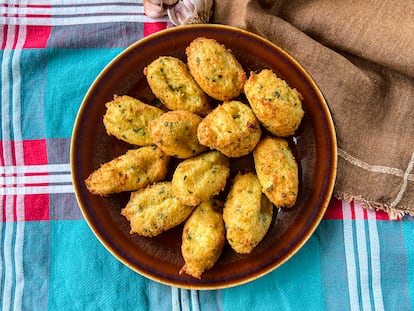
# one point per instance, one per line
(50, 260)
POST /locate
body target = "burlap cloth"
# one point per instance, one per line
(361, 55)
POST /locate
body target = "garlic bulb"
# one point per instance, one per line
(186, 12)
(157, 8)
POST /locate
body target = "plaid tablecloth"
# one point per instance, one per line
(51, 51)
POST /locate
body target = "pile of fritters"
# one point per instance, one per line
(214, 112)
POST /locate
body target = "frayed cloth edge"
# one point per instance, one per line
(393, 213)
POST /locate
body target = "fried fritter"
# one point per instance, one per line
(277, 171)
(172, 83)
(276, 105)
(231, 128)
(215, 69)
(175, 133)
(247, 213)
(127, 119)
(154, 209)
(131, 171)
(203, 239)
(200, 178)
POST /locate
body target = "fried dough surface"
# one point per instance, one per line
(215, 69)
(201, 177)
(277, 171)
(154, 209)
(202, 239)
(131, 171)
(127, 119)
(175, 133)
(231, 128)
(275, 104)
(247, 213)
(172, 83)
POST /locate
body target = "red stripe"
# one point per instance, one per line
(35, 152)
(36, 37)
(334, 211)
(36, 207)
(150, 28)
(381, 215)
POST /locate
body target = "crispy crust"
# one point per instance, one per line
(154, 209)
(247, 213)
(175, 133)
(231, 128)
(131, 171)
(203, 239)
(276, 105)
(127, 119)
(172, 83)
(215, 69)
(277, 171)
(200, 178)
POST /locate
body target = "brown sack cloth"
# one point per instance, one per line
(361, 55)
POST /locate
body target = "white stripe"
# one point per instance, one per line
(195, 304)
(7, 270)
(8, 263)
(175, 298)
(81, 20)
(37, 190)
(375, 261)
(76, 13)
(27, 169)
(350, 257)
(362, 257)
(36, 179)
(19, 156)
(185, 300)
(19, 268)
(76, 10)
(76, 2)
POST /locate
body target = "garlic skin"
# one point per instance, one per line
(157, 8)
(186, 12)
(154, 8)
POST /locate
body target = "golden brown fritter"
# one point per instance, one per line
(200, 178)
(276, 105)
(215, 69)
(154, 209)
(131, 171)
(247, 213)
(203, 239)
(277, 171)
(127, 119)
(175, 133)
(231, 128)
(172, 83)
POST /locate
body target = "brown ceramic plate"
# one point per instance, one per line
(159, 258)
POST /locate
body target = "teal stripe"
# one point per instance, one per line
(210, 300)
(396, 269)
(33, 92)
(159, 297)
(333, 265)
(36, 265)
(69, 74)
(408, 232)
(85, 276)
(296, 285)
